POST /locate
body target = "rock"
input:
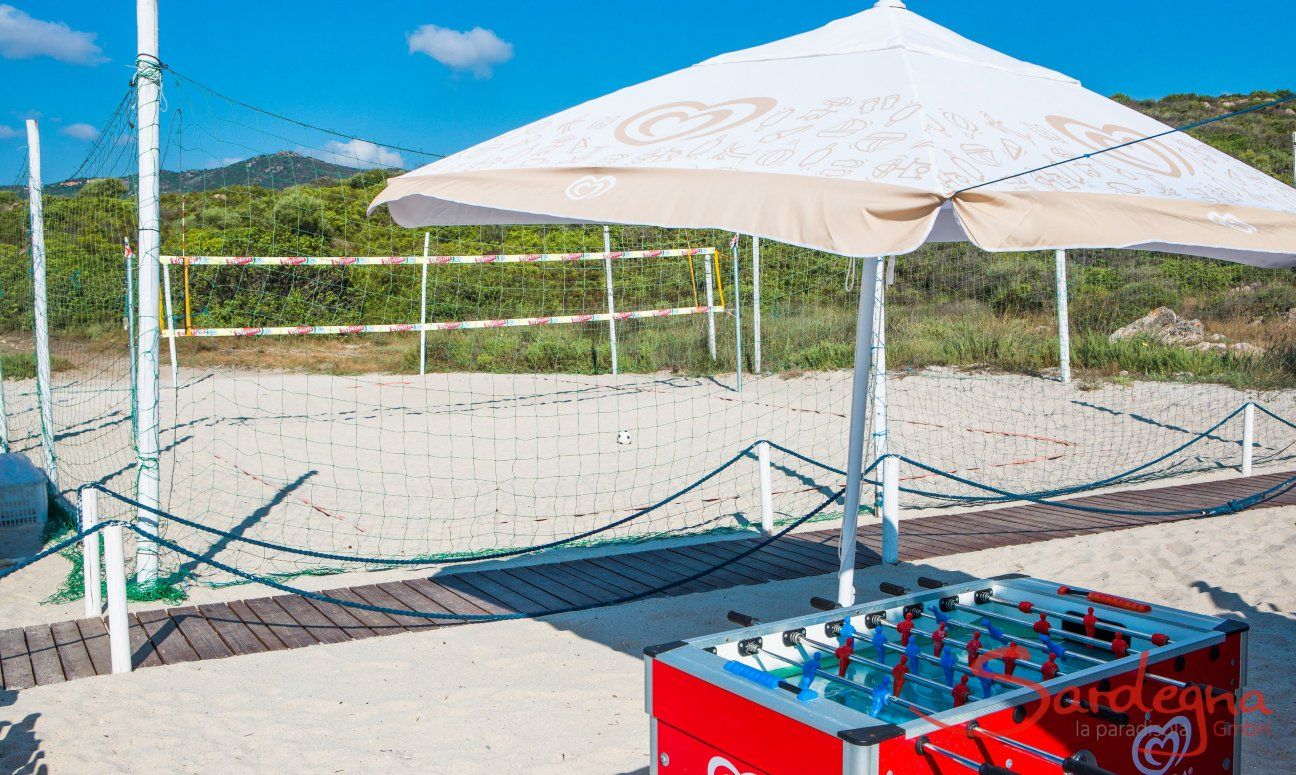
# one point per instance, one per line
(1259, 321)
(1123, 373)
(1165, 326)
(1245, 348)
(1237, 348)
(1290, 315)
(1217, 337)
(1183, 375)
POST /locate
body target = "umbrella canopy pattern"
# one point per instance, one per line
(861, 138)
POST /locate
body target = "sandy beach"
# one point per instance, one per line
(565, 694)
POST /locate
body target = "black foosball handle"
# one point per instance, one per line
(823, 604)
(927, 582)
(893, 589)
(1074, 766)
(741, 619)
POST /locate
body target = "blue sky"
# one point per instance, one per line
(348, 65)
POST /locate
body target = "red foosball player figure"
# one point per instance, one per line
(843, 654)
(1042, 626)
(938, 639)
(961, 692)
(905, 628)
(1090, 623)
(1120, 646)
(898, 674)
(1050, 667)
(973, 648)
(1010, 657)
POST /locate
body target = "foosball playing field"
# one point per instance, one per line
(1005, 675)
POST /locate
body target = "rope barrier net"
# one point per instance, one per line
(330, 407)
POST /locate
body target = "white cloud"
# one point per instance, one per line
(7, 132)
(476, 50)
(80, 131)
(360, 154)
(23, 37)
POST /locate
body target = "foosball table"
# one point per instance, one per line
(997, 676)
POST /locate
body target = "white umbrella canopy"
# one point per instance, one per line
(866, 137)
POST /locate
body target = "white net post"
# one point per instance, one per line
(855, 441)
(427, 241)
(40, 302)
(1063, 317)
(1248, 437)
(766, 489)
(756, 306)
(4, 418)
(737, 312)
(118, 624)
(611, 302)
(148, 76)
(710, 300)
(88, 509)
(888, 468)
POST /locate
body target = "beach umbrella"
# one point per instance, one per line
(869, 136)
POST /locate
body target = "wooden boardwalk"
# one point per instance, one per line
(52, 653)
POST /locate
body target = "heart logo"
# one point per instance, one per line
(1233, 222)
(589, 186)
(681, 120)
(1147, 156)
(722, 766)
(1157, 748)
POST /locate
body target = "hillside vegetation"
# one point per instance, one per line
(951, 305)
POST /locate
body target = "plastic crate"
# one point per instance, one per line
(24, 506)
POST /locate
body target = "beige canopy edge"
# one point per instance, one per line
(844, 217)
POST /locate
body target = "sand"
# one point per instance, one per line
(565, 694)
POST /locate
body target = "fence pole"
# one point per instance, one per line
(737, 310)
(855, 441)
(891, 510)
(118, 624)
(607, 273)
(710, 297)
(427, 238)
(1063, 317)
(40, 303)
(1248, 437)
(148, 85)
(171, 340)
(756, 309)
(88, 508)
(766, 492)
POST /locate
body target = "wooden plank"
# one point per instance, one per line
(456, 583)
(577, 590)
(285, 628)
(44, 656)
(374, 594)
(666, 569)
(316, 624)
(444, 598)
(95, 637)
(342, 618)
(507, 594)
(378, 623)
(232, 628)
(413, 600)
(243, 614)
(71, 651)
(764, 568)
(201, 636)
(143, 654)
(555, 597)
(14, 661)
(168, 642)
(617, 575)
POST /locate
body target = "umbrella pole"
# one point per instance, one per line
(611, 304)
(1064, 320)
(858, 425)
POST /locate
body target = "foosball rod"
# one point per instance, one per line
(1207, 688)
(912, 675)
(794, 637)
(924, 747)
(1072, 765)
